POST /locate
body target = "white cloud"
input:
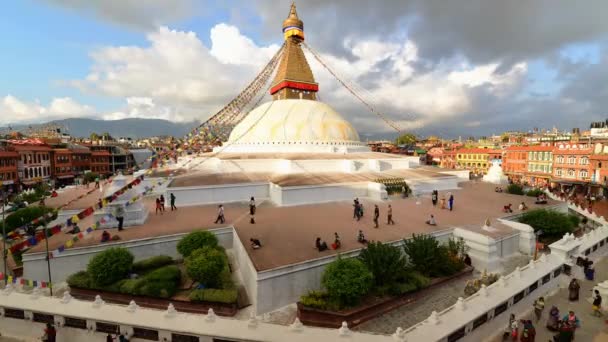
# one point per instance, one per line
(15, 111)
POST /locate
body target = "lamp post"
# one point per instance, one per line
(48, 259)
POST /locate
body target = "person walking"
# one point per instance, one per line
(539, 306)
(553, 319)
(220, 214)
(119, 213)
(451, 202)
(390, 215)
(376, 215)
(356, 213)
(158, 207)
(573, 290)
(597, 304)
(172, 199)
(252, 209)
(435, 197)
(162, 203)
(528, 333)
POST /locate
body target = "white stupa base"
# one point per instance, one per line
(496, 175)
(135, 215)
(294, 147)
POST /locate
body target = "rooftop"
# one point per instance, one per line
(288, 233)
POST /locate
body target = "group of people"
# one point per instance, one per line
(358, 213)
(160, 203)
(442, 202)
(541, 199)
(321, 245)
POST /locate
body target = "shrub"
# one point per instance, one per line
(226, 281)
(79, 279)
(515, 189)
(552, 223)
(90, 177)
(194, 241)
(152, 263)
(347, 280)
(214, 295)
(110, 266)
(457, 248)
(315, 300)
(205, 265)
(26, 215)
(534, 192)
(131, 286)
(430, 258)
(386, 262)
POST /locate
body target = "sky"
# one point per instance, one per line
(448, 68)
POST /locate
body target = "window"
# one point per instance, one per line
(572, 160)
(558, 172)
(584, 161)
(583, 174)
(570, 173)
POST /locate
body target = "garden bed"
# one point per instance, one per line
(370, 307)
(221, 309)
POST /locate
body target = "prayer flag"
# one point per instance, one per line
(89, 230)
(69, 243)
(35, 283)
(42, 284)
(9, 279)
(80, 235)
(21, 281)
(1, 276)
(61, 249)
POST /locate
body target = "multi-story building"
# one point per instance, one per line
(477, 160)
(100, 159)
(540, 165)
(572, 164)
(81, 159)
(8, 168)
(121, 160)
(61, 166)
(34, 166)
(448, 159)
(515, 162)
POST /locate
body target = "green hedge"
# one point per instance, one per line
(152, 263)
(347, 281)
(515, 189)
(214, 295)
(26, 215)
(205, 266)
(552, 223)
(110, 266)
(79, 279)
(196, 240)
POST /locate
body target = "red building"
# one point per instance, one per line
(34, 165)
(572, 164)
(8, 169)
(448, 159)
(100, 160)
(514, 162)
(61, 166)
(81, 159)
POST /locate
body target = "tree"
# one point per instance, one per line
(386, 262)
(347, 281)
(94, 136)
(194, 241)
(110, 266)
(552, 223)
(406, 139)
(205, 265)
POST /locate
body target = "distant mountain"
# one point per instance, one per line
(134, 128)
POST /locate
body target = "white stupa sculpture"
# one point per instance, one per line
(495, 174)
(135, 213)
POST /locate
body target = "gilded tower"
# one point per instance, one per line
(294, 79)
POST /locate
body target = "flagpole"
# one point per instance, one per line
(48, 259)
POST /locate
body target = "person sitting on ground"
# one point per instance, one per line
(54, 194)
(75, 229)
(255, 243)
(507, 208)
(431, 221)
(541, 199)
(361, 237)
(467, 260)
(105, 236)
(337, 244)
(50, 334)
(320, 245)
(523, 206)
(590, 273)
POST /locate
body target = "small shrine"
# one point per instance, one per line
(135, 213)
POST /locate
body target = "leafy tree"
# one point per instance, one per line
(110, 266)
(195, 240)
(406, 139)
(430, 258)
(515, 189)
(386, 262)
(205, 265)
(347, 281)
(94, 136)
(552, 223)
(457, 248)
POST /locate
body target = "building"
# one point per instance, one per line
(539, 165)
(571, 164)
(8, 168)
(34, 166)
(121, 160)
(61, 166)
(448, 159)
(81, 159)
(477, 160)
(515, 162)
(100, 159)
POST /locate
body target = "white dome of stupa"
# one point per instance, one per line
(293, 125)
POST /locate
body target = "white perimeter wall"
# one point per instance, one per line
(76, 259)
(213, 194)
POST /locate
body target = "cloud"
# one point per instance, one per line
(15, 111)
(138, 14)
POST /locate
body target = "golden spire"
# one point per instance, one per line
(293, 26)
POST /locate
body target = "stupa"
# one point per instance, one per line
(496, 175)
(294, 121)
(295, 149)
(135, 212)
